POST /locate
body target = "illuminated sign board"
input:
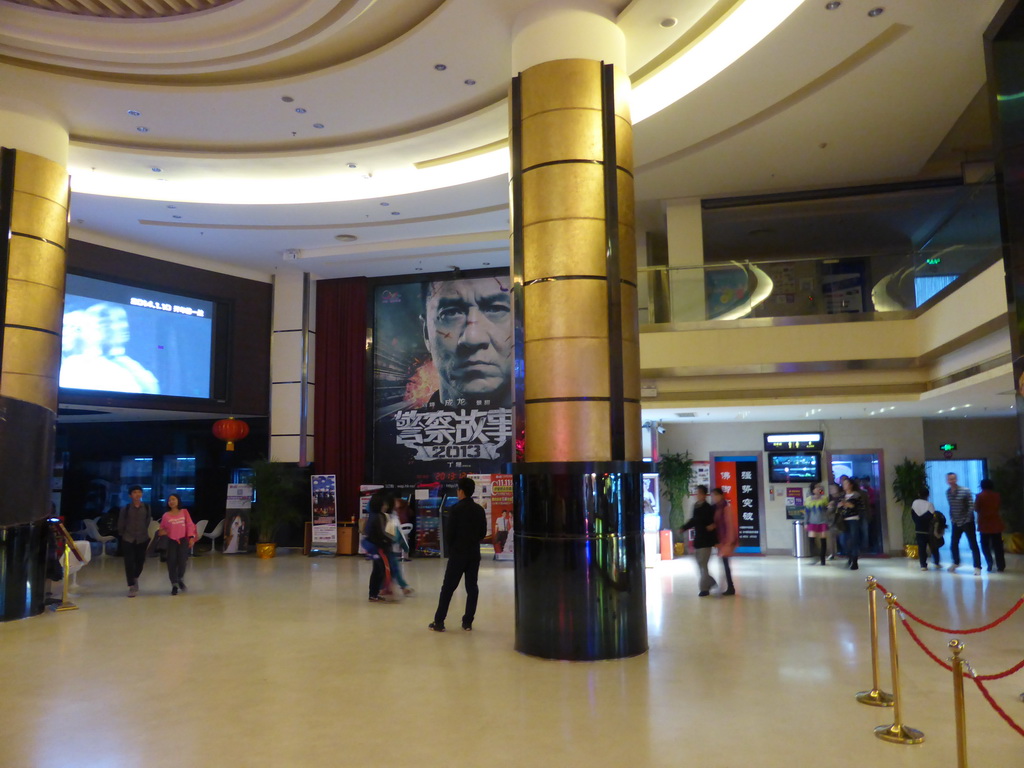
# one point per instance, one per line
(794, 441)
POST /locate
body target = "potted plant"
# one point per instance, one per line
(275, 485)
(910, 482)
(675, 470)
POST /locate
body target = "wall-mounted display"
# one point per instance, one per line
(794, 467)
(122, 338)
(794, 441)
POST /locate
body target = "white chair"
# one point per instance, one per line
(200, 530)
(93, 532)
(214, 535)
(74, 565)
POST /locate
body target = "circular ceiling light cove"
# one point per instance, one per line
(669, 22)
(111, 9)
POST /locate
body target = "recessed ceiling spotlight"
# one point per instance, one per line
(469, 81)
(172, 206)
(346, 238)
(142, 129)
(669, 22)
(287, 99)
(395, 213)
(134, 113)
(385, 205)
(833, 5)
(876, 12)
(301, 110)
(176, 216)
(154, 169)
(440, 67)
(486, 263)
(318, 125)
(419, 269)
(352, 165)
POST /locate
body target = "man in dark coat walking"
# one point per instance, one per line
(467, 525)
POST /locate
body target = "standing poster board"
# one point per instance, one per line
(501, 517)
(236, 519)
(739, 479)
(324, 503)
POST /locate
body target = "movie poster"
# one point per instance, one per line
(323, 489)
(443, 372)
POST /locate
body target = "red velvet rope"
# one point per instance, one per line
(976, 678)
(937, 628)
(996, 707)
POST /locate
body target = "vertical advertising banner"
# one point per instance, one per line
(737, 476)
(501, 517)
(443, 377)
(236, 519)
(324, 499)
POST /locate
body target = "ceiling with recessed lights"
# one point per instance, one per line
(369, 137)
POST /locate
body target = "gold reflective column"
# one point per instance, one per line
(34, 217)
(581, 346)
(578, 532)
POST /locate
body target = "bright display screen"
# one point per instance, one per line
(794, 467)
(118, 338)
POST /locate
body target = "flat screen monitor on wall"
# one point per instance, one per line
(124, 339)
(794, 467)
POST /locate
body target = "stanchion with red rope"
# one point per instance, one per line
(875, 697)
(897, 733)
(957, 665)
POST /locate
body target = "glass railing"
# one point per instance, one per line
(780, 288)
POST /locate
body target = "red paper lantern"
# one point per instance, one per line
(230, 430)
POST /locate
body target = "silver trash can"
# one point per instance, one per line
(801, 544)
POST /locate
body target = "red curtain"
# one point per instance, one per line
(339, 401)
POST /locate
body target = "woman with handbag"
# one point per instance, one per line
(376, 542)
(851, 509)
(177, 526)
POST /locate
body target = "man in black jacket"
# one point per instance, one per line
(467, 525)
(704, 537)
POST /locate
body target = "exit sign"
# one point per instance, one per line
(947, 447)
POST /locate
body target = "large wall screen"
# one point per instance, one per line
(119, 338)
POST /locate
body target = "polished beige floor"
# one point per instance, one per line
(285, 663)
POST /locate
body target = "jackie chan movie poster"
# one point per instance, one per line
(443, 373)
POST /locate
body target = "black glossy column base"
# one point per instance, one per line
(579, 558)
(22, 570)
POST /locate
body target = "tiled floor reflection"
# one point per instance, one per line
(285, 663)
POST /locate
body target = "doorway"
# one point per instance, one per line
(969, 474)
(866, 467)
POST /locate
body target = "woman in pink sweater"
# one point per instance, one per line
(177, 525)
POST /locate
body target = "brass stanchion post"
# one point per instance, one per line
(897, 733)
(65, 604)
(875, 697)
(958, 703)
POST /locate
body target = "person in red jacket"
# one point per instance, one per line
(177, 526)
(990, 526)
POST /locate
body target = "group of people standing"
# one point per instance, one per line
(383, 541)
(133, 528)
(929, 526)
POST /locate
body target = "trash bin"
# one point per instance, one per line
(801, 545)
